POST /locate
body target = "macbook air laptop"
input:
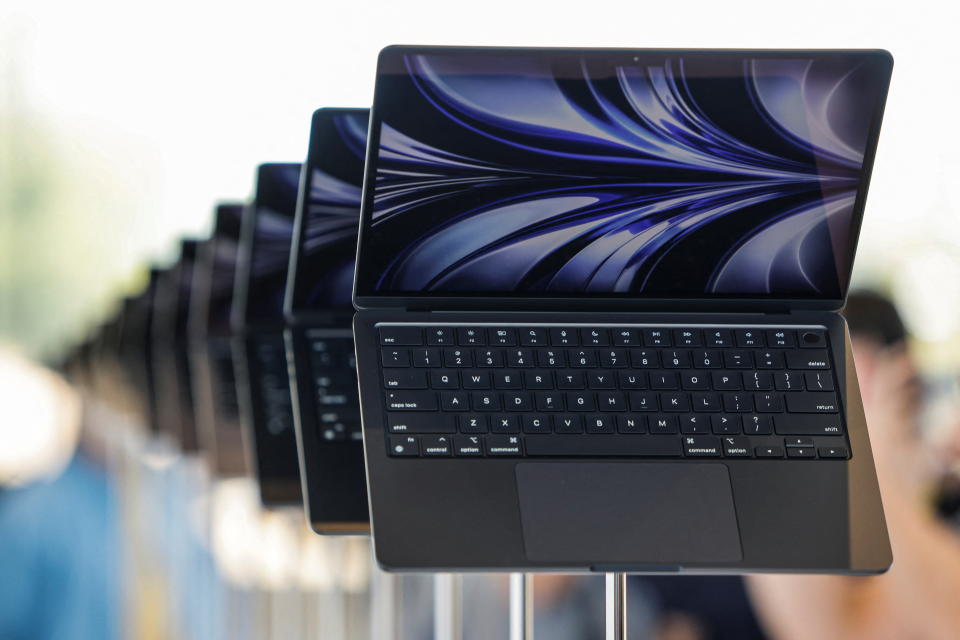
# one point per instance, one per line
(262, 384)
(214, 383)
(172, 375)
(319, 311)
(599, 295)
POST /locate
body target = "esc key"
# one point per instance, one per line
(404, 336)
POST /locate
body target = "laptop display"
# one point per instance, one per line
(327, 244)
(224, 251)
(618, 174)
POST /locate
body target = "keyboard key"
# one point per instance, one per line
(583, 358)
(726, 380)
(602, 446)
(674, 402)
(837, 453)
(656, 338)
(426, 358)
(769, 360)
(812, 402)
(506, 380)
(517, 401)
(693, 380)
(768, 402)
(504, 446)
(818, 380)
(453, 401)
(687, 337)
(611, 401)
(633, 380)
(736, 447)
(564, 337)
(801, 452)
(536, 423)
(440, 336)
(504, 424)
(663, 424)
(676, 359)
(473, 423)
(505, 337)
(436, 445)
(701, 446)
(757, 381)
(538, 380)
(551, 358)
(457, 358)
(395, 357)
(531, 337)
(718, 338)
(737, 359)
(403, 446)
(706, 359)
(595, 337)
(552, 401)
(411, 401)
(756, 424)
(769, 452)
(808, 425)
(664, 380)
(398, 336)
(736, 402)
(580, 401)
(571, 380)
(790, 380)
(471, 336)
(626, 338)
(404, 379)
(725, 424)
(693, 423)
(812, 359)
(601, 380)
(489, 358)
(568, 423)
(468, 446)
(421, 423)
(476, 379)
(484, 401)
(798, 441)
(781, 339)
(614, 358)
(644, 358)
(643, 401)
(520, 358)
(631, 424)
(813, 339)
(748, 338)
(444, 379)
(599, 424)
(706, 402)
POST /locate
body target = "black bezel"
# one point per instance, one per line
(318, 121)
(526, 300)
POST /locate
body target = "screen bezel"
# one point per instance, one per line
(366, 299)
(321, 119)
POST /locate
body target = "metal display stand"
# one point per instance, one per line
(521, 606)
(616, 606)
(384, 605)
(447, 606)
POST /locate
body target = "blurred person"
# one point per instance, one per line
(919, 596)
(59, 543)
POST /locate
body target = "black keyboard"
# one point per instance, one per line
(334, 370)
(274, 384)
(610, 391)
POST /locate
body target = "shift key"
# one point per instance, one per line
(411, 401)
(808, 425)
(421, 423)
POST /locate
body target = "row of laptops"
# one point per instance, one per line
(596, 326)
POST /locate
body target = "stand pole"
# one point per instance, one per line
(521, 606)
(447, 606)
(384, 605)
(616, 598)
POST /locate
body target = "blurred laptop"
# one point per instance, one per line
(319, 311)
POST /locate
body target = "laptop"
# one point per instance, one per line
(211, 357)
(136, 353)
(172, 375)
(263, 386)
(319, 312)
(598, 298)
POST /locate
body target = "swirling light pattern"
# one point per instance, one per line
(664, 176)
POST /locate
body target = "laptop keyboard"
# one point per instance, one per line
(334, 369)
(610, 391)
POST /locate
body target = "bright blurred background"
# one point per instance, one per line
(123, 122)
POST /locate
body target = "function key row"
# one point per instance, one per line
(404, 335)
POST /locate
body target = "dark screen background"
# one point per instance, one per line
(655, 174)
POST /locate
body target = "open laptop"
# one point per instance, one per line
(263, 386)
(319, 312)
(599, 296)
(214, 382)
(172, 375)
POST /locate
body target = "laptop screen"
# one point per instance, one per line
(224, 250)
(579, 173)
(330, 216)
(274, 205)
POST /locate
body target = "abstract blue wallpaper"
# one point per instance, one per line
(656, 175)
(328, 240)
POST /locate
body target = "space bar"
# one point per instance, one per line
(602, 446)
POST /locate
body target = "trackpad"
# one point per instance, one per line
(628, 514)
